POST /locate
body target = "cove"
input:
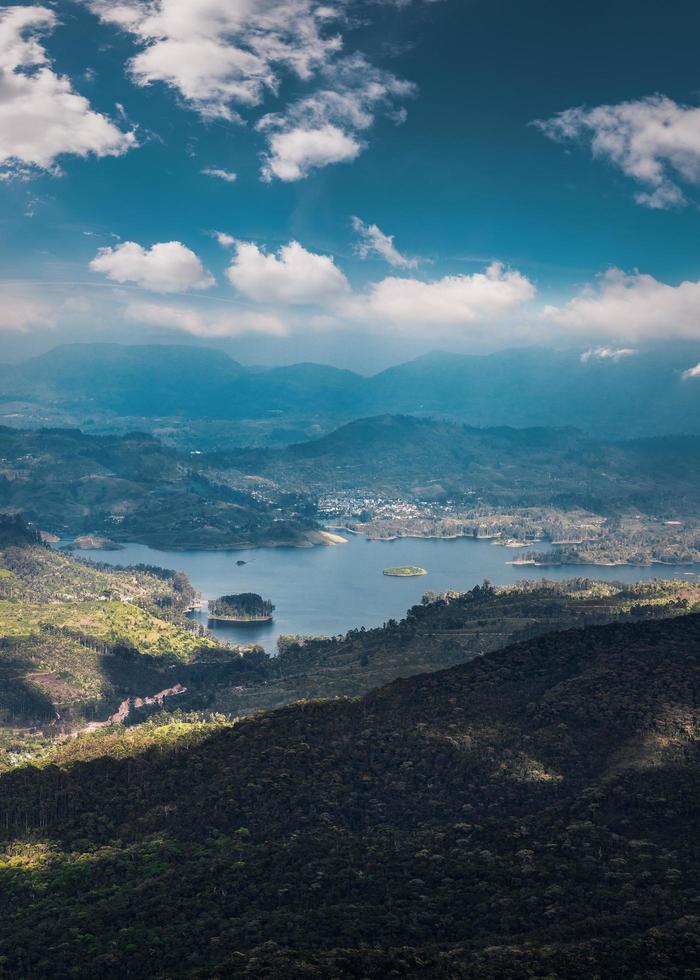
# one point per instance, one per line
(328, 590)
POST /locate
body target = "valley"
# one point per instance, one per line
(634, 501)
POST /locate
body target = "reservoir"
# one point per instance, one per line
(328, 590)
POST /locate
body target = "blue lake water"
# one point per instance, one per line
(328, 590)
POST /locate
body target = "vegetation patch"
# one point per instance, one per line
(405, 571)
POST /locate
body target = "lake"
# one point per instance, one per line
(328, 590)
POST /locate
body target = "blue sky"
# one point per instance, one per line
(408, 176)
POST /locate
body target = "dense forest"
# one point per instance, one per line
(134, 488)
(530, 813)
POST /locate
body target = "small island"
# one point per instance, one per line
(405, 571)
(244, 607)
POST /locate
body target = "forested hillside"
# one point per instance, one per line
(531, 813)
(426, 458)
(637, 501)
(76, 639)
(133, 488)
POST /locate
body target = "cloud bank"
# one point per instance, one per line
(632, 307)
(205, 323)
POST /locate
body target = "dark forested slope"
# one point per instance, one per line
(133, 488)
(531, 813)
(427, 458)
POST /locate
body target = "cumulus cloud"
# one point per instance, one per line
(41, 116)
(607, 354)
(292, 275)
(326, 127)
(632, 306)
(653, 140)
(372, 240)
(693, 372)
(226, 175)
(167, 267)
(294, 152)
(452, 301)
(218, 54)
(205, 323)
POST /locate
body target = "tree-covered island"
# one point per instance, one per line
(405, 571)
(244, 607)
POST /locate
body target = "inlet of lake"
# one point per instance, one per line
(327, 590)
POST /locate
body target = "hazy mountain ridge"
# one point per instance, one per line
(532, 811)
(526, 387)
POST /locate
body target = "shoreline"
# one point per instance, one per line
(239, 620)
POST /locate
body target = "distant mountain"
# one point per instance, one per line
(195, 382)
(636, 395)
(641, 394)
(149, 380)
(531, 813)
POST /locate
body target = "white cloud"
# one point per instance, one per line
(326, 127)
(204, 323)
(41, 116)
(224, 239)
(20, 310)
(693, 372)
(167, 267)
(633, 307)
(295, 152)
(221, 53)
(373, 240)
(452, 301)
(226, 175)
(653, 140)
(223, 57)
(607, 354)
(292, 275)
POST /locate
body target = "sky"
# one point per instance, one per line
(347, 181)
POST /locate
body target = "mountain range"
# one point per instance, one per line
(604, 394)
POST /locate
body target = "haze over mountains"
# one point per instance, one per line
(607, 396)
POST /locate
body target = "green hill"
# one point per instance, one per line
(134, 488)
(77, 639)
(531, 813)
